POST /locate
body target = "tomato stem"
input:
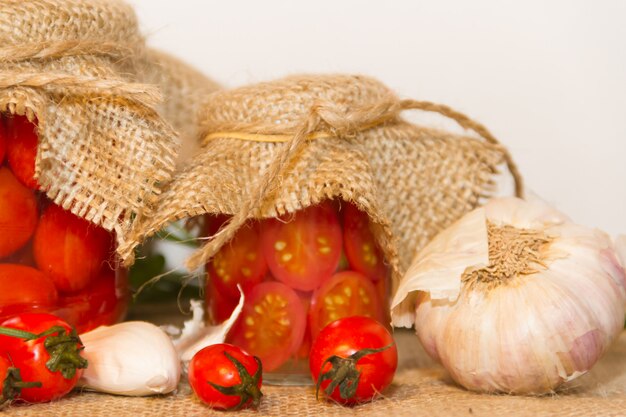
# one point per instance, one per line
(248, 389)
(64, 349)
(343, 373)
(13, 385)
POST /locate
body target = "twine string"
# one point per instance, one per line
(337, 123)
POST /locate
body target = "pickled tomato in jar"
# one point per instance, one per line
(50, 259)
(298, 272)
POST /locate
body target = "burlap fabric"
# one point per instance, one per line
(73, 66)
(421, 388)
(184, 90)
(277, 147)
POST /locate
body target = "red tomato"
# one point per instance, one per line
(357, 355)
(346, 294)
(220, 307)
(239, 262)
(32, 357)
(102, 303)
(23, 288)
(18, 213)
(303, 250)
(226, 377)
(362, 250)
(70, 249)
(3, 139)
(11, 383)
(22, 149)
(271, 325)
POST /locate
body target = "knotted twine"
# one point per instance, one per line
(70, 66)
(274, 148)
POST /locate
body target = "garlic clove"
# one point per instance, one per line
(134, 358)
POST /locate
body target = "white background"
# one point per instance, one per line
(548, 78)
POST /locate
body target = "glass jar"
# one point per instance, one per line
(299, 273)
(51, 260)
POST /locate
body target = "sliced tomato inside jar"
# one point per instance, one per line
(346, 294)
(271, 325)
(22, 142)
(303, 249)
(239, 262)
(364, 254)
(219, 307)
(3, 139)
(24, 289)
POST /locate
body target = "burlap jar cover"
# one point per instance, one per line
(277, 147)
(78, 67)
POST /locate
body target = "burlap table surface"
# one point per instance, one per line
(421, 388)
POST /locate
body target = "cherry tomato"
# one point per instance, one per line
(357, 355)
(364, 254)
(239, 262)
(23, 288)
(57, 376)
(220, 307)
(303, 250)
(70, 249)
(346, 294)
(3, 139)
(271, 325)
(11, 383)
(226, 377)
(102, 303)
(22, 149)
(18, 213)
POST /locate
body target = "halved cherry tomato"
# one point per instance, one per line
(22, 149)
(271, 325)
(18, 213)
(357, 355)
(239, 262)
(58, 376)
(102, 303)
(362, 250)
(303, 250)
(225, 377)
(23, 288)
(3, 139)
(70, 249)
(346, 294)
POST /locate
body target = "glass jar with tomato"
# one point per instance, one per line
(50, 259)
(298, 272)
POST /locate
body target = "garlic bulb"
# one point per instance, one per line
(514, 298)
(134, 358)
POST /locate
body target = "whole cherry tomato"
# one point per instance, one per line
(18, 213)
(353, 359)
(303, 249)
(22, 149)
(69, 249)
(11, 383)
(23, 288)
(45, 349)
(226, 377)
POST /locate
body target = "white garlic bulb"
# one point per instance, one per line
(514, 298)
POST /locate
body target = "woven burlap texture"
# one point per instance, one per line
(421, 388)
(277, 147)
(74, 66)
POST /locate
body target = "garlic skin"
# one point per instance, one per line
(135, 358)
(533, 308)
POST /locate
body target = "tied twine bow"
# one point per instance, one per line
(324, 121)
(144, 94)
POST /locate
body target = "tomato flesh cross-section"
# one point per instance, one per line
(364, 254)
(271, 325)
(303, 250)
(346, 294)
